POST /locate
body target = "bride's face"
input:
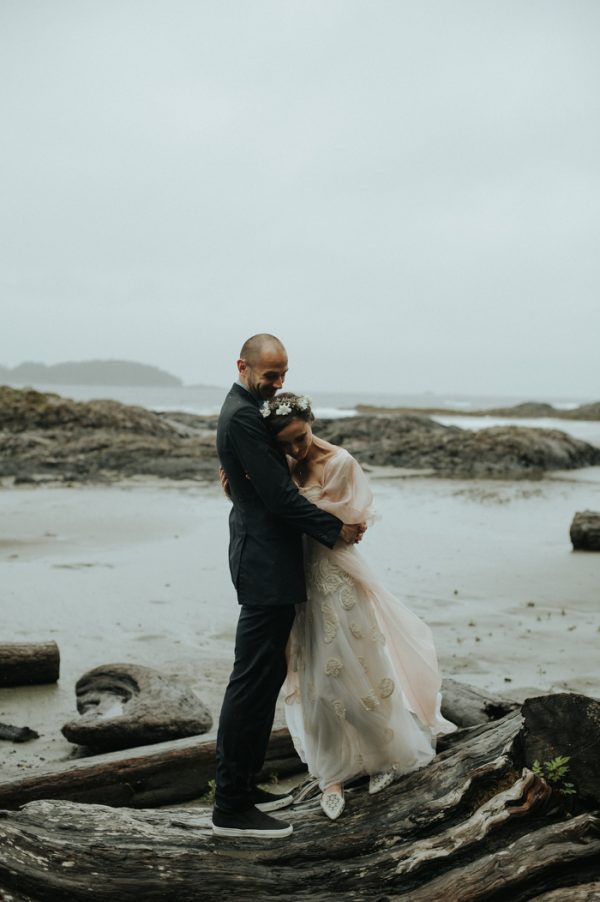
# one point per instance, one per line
(295, 439)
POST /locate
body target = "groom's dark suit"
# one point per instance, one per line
(265, 558)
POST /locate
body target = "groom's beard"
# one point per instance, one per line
(264, 392)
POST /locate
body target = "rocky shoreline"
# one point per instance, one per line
(526, 410)
(45, 437)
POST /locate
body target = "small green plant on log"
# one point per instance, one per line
(209, 796)
(554, 773)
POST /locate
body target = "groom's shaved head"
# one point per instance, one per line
(256, 347)
(263, 365)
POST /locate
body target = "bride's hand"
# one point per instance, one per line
(352, 533)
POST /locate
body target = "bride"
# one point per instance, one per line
(362, 693)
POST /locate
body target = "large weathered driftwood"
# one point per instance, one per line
(585, 531)
(26, 663)
(126, 705)
(473, 826)
(160, 774)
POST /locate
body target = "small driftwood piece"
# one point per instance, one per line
(17, 734)
(466, 706)
(160, 774)
(585, 531)
(127, 705)
(473, 826)
(26, 663)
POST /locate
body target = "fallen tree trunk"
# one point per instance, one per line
(473, 826)
(466, 706)
(24, 664)
(585, 531)
(160, 774)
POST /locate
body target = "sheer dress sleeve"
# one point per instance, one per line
(346, 491)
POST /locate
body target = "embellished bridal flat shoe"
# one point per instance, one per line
(378, 782)
(333, 803)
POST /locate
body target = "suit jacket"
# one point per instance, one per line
(268, 515)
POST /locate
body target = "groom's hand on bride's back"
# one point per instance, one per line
(352, 533)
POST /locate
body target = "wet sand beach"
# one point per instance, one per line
(137, 572)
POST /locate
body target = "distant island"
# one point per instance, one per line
(89, 372)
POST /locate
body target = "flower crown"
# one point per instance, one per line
(283, 406)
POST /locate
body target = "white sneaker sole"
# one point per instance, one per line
(268, 834)
(275, 806)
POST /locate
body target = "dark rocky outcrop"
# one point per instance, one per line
(46, 435)
(526, 410)
(126, 705)
(585, 531)
(499, 452)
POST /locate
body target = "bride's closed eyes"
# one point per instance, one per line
(295, 439)
(297, 446)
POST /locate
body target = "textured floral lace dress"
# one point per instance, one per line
(362, 693)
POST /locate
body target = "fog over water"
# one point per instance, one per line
(408, 193)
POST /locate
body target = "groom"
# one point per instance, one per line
(266, 524)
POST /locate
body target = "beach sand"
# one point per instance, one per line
(137, 572)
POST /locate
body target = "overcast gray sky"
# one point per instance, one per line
(408, 193)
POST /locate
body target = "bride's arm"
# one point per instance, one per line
(346, 490)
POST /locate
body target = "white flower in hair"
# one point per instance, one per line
(282, 409)
(265, 409)
(303, 402)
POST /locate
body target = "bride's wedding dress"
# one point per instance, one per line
(362, 693)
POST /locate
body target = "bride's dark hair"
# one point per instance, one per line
(281, 410)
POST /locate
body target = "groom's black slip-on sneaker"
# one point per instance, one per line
(270, 801)
(251, 822)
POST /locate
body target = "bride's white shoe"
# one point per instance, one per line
(377, 782)
(333, 803)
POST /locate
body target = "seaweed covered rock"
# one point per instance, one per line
(416, 442)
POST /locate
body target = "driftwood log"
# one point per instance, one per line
(468, 827)
(466, 706)
(165, 773)
(476, 825)
(126, 705)
(17, 734)
(24, 664)
(585, 531)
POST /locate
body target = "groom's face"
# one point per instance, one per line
(266, 374)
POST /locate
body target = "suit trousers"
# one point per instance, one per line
(248, 709)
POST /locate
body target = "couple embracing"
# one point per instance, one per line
(358, 669)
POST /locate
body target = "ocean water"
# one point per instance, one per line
(207, 400)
